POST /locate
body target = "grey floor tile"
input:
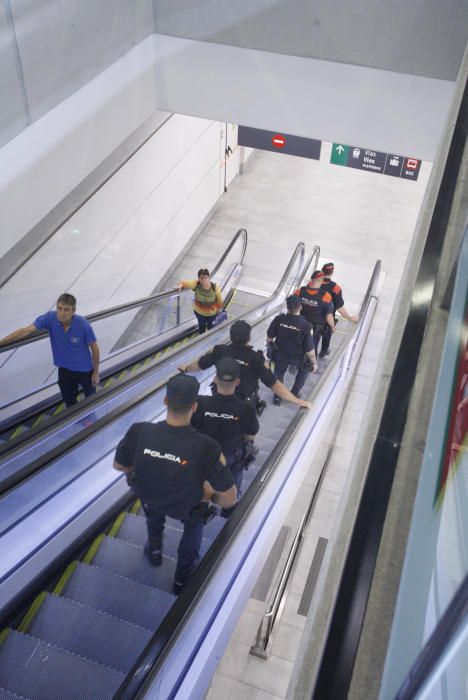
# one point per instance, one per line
(286, 642)
(335, 480)
(263, 695)
(242, 691)
(234, 660)
(271, 675)
(289, 615)
(220, 687)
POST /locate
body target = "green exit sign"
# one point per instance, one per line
(339, 154)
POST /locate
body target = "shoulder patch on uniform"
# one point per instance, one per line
(327, 297)
(336, 289)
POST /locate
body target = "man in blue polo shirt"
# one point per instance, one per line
(74, 347)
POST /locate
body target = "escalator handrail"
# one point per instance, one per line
(58, 451)
(152, 658)
(144, 301)
(104, 373)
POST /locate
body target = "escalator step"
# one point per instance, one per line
(39, 419)
(264, 443)
(58, 409)
(116, 595)
(22, 428)
(6, 695)
(271, 432)
(129, 560)
(133, 530)
(210, 531)
(43, 671)
(90, 633)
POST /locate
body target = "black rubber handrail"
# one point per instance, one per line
(10, 610)
(144, 301)
(153, 657)
(41, 462)
(341, 645)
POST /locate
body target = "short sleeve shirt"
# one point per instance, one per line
(70, 349)
(252, 366)
(336, 293)
(171, 465)
(226, 419)
(316, 304)
(293, 334)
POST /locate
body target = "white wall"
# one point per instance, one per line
(120, 243)
(53, 155)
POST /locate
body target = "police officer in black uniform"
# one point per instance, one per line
(317, 306)
(292, 336)
(229, 420)
(336, 294)
(252, 364)
(176, 471)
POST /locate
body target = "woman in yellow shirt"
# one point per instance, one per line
(207, 300)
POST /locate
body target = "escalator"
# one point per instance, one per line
(45, 424)
(106, 620)
(172, 323)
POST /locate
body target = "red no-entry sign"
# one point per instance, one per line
(278, 141)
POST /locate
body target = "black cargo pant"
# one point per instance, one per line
(282, 363)
(326, 336)
(189, 546)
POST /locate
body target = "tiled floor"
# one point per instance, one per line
(355, 217)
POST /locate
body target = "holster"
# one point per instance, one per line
(250, 452)
(203, 512)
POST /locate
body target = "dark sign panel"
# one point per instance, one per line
(278, 142)
(365, 159)
(375, 161)
(411, 168)
(393, 165)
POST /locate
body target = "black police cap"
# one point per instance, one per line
(240, 332)
(182, 389)
(293, 302)
(227, 369)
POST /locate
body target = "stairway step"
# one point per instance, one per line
(89, 633)
(119, 596)
(43, 671)
(129, 560)
(133, 530)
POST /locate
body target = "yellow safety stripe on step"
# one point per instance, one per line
(117, 524)
(40, 417)
(4, 634)
(108, 381)
(122, 374)
(32, 612)
(136, 506)
(134, 368)
(59, 409)
(92, 551)
(17, 431)
(65, 577)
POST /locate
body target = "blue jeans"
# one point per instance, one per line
(281, 365)
(189, 545)
(205, 323)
